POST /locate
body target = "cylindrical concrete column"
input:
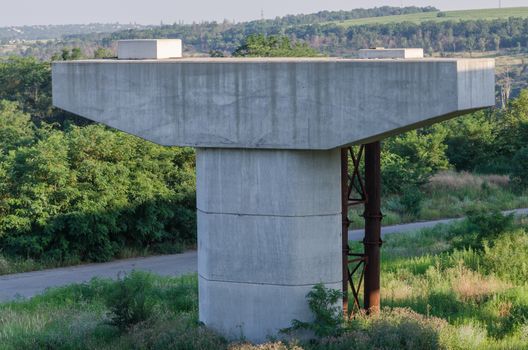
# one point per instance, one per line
(269, 229)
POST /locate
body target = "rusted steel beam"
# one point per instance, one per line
(345, 224)
(372, 241)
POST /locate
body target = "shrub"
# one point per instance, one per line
(507, 256)
(519, 171)
(323, 303)
(180, 333)
(130, 301)
(260, 45)
(441, 14)
(410, 159)
(392, 329)
(481, 224)
(489, 223)
(411, 200)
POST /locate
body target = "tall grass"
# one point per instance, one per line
(435, 296)
(450, 195)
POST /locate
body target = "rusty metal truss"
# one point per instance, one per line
(354, 189)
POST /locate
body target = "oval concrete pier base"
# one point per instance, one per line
(269, 229)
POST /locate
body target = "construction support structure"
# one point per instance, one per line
(362, 268)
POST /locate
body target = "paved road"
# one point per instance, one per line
(28, 284)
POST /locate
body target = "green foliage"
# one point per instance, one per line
(260, 45)
(77, 316)
(102, 52)
(28, 82)
(487, 141)
(507, 256)
(392, 329)
(470, 141)
(488, 223)
(411, 200)
(435, 298)
(179, 334)
(323, 303)
(483, 224)
(519, 172)
(129, 302)
(16, 129)
(89, 192)
(68, 54)
(411, 158)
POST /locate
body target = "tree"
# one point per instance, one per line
(28, 82)
(16, 129)
(88, 192)
(273, 46)
(102, 52)
(68, 54)
(410, 159)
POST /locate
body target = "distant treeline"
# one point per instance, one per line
(322, 31)
(45, 32)
(336, 39)
(68, 31)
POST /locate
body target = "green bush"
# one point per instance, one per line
(489, 223)
(260, 45)
(181, 333)
(411, 158)
(519, 172)
(89, 192)
(391, 329)
(411, 201)
(507, 256)
(324, 304)
(481, 225)
(130, 301)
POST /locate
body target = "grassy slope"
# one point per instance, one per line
(484, 14)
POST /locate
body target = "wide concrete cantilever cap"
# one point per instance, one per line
(278, 103)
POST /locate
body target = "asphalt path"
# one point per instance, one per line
(28, 284)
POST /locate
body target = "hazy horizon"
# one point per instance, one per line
(166, 11)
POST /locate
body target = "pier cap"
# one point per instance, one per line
(273, 103)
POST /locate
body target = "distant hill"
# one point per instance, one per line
(335, 33)
(442, 16)
(47, 32)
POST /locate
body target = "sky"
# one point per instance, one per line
(30, 12)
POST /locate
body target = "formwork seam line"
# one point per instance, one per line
(269, 284)
(273, 215)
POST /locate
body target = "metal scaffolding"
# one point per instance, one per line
(362, 268)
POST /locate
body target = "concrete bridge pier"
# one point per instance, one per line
(269, 229)
(268, 133)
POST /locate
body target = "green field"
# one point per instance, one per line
(483, 14)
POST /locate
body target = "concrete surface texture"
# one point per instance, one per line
(149, 49)
(299, 103)
(269, 229)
